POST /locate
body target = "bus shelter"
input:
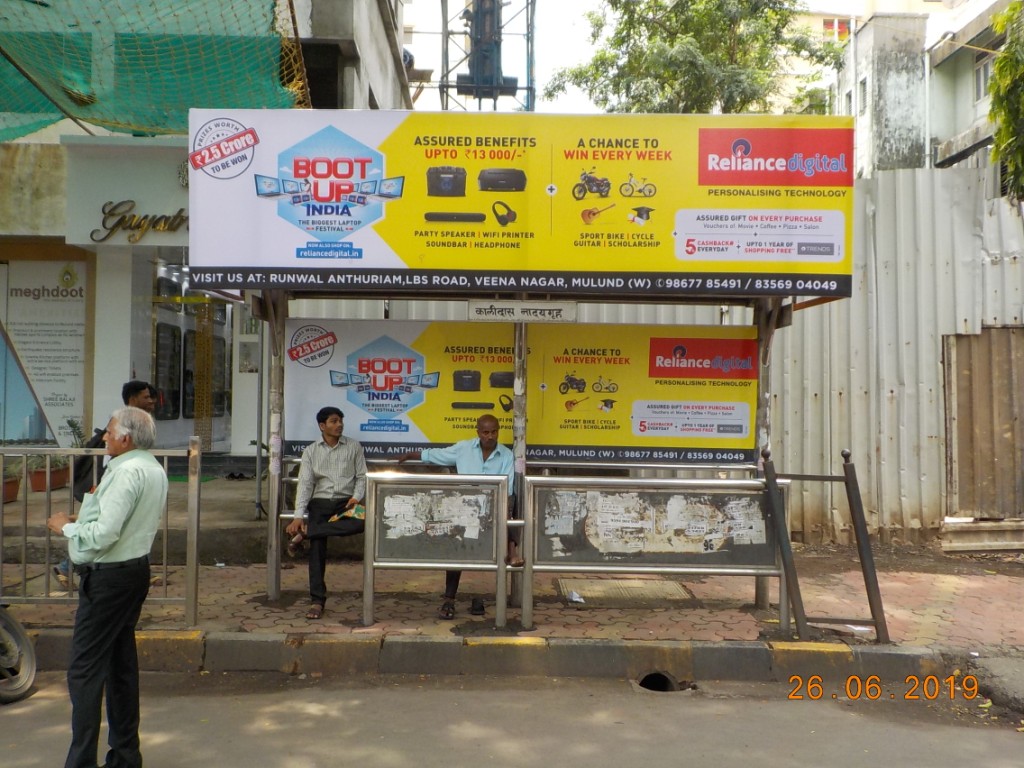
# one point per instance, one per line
(521, 219)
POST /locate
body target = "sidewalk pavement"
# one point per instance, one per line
(676, 629)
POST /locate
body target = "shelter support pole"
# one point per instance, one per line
(519, 449)
(766, 319)
(260, 511)
(276, 307)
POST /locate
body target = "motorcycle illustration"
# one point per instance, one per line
(574, 382)
(590, 183)
(643, 188)
(17, 659)
(604, 385)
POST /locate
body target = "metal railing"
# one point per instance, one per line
(24, 519)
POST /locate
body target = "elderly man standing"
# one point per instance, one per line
(110, 544)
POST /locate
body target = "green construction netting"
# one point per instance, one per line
(137, 66)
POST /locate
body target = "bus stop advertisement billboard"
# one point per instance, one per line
(390, 202)
(595, 393)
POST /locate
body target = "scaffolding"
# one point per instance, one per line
(471, 37)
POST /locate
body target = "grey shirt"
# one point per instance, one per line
(327, 472)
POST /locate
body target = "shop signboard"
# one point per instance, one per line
(393, 202)
(42, 351)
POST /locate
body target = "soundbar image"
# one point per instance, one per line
(455, 216)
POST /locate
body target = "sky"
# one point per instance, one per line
(561, 39)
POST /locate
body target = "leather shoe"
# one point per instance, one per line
(477, 606)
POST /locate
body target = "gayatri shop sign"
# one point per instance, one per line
(121, 217)
(462, 203)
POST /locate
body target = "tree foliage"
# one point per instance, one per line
(1007, 91)
(690, 56)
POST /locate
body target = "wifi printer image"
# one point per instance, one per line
(502, 180)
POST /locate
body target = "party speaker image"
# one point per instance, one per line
(446, 181)
(466, 381)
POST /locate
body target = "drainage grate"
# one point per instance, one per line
(626, 593)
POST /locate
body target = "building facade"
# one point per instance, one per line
(94, 260)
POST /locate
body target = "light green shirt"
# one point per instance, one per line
(119, 520)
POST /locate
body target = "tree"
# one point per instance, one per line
(1007, 90)
(691, 56)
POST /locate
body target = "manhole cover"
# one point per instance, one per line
(626, 593)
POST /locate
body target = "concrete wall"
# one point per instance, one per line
(369, 33)
(887, 52)
(897, 93)
(34, 179)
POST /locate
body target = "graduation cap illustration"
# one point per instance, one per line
(641, 214)
(606, 404)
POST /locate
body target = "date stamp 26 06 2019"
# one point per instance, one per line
(871, 688)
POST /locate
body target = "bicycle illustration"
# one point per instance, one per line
(604, 385)
(642, 188)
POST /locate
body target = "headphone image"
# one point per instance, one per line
(503, 214)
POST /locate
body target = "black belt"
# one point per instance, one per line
(84, 568)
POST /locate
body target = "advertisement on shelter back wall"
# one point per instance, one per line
(622, 393)
(400, 202)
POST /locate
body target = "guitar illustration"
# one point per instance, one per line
(588, 215)
(570, 404)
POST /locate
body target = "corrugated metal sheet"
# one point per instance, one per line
(932, 258)
(866, 374)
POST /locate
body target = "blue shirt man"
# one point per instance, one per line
(480, 455)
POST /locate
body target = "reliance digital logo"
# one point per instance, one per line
(699, 358)
(775, 157)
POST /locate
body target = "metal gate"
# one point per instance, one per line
(985, 423)
(25, 572)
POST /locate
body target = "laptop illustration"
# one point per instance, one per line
(391, 188)
(268, 186)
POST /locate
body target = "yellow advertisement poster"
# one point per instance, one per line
(401, 385)
(647, 394)
(640, 394)
(493, 204)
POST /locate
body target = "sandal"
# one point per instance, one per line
(447, 610)
(316, 610)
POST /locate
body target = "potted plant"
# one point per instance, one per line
(60, 473)
(12, 478)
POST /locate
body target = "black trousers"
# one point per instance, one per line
(104, 658)
(318, 511)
